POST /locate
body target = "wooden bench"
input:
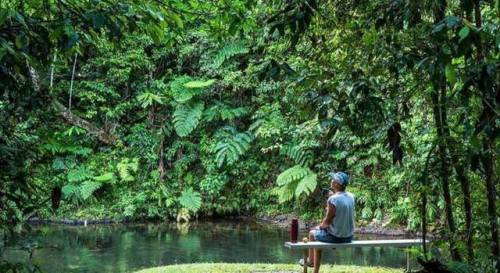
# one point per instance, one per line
(363, 243)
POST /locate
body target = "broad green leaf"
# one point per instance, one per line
(105, 177)
(179, 92)
(190, 200)
(199, 84)
(451, 75)
(464, 32)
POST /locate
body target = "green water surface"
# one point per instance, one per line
(126, 248)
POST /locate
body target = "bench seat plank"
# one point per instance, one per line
(360, 243)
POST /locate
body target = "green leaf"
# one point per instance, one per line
(177, 19)
(20, 19)
(306, 185)
(105, 177)
(451, 75)
(199, 84)
(292, 174)
(147, 99)
(88, 188)
(126, 167)
(4, 14)
(186, 118)
(295, 181)
(190, 200)
(300, 153)
(179, 92)
(229, 149)
(79, 174)
(464, 32)
(70, 191)
(229, 51)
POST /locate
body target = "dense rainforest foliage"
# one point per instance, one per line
(167, 108)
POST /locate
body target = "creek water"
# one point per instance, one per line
(127, 248)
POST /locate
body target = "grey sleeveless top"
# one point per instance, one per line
(343, 223)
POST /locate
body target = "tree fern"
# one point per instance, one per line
(186, 118)
(229, 51)
(190, 200)
(77, 193)
(229, 149)
(295, 181)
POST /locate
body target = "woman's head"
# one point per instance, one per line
(338, 180)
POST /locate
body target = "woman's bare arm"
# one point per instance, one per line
(330, 213)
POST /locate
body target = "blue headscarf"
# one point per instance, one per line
(340, 177)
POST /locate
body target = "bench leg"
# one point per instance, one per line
(306, 254)
(408, 269)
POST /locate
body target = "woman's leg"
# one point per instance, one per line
(317, 260)
(311, 250)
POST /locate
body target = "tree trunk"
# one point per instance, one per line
(439, 109)
(487, 156)
(424, 223)
(161, 163)
(443, 133)
(487, 161)
(465, 185)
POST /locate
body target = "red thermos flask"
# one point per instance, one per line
(294, 230)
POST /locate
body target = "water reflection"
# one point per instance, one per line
(126, 248)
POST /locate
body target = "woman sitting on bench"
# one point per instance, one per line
(338, 224)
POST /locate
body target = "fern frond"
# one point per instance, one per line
(147, 99)
(224, 112)
(79, 174)
(186, 118)
(306, 185)
(190, 200)
(301, 154)
(292, 174)
(70, 191)
(231, 148)
(295, 181)
(125, 167)
(229, 51)
(284, 193)
(88, 188)
(183, 88)
(179, 92)
(232, 113)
